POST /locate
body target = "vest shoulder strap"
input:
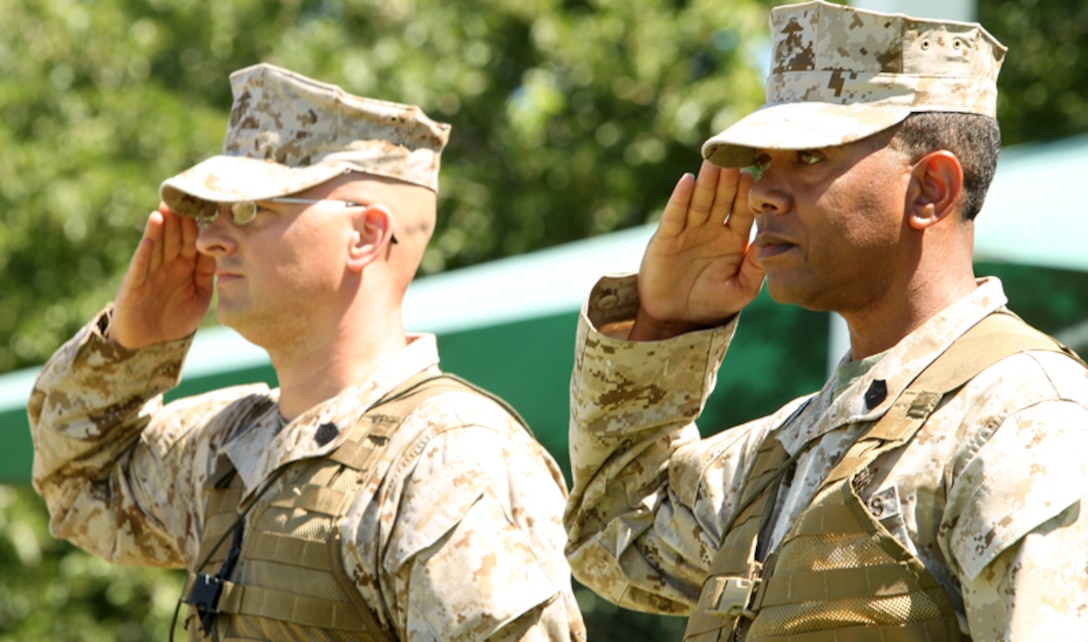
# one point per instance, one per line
(372, 430)
(734, 573)
(995, 338)
(368, 438)
(385, 417)
(429, 385)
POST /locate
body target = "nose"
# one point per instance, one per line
(215, 237)
(769, 194)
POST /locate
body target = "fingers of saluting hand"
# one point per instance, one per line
(674, 218)
(173, 242)
(711, 197)
(189, 233)
(166, 238)
(149, 255)
(736, 191)
(741, 221)
(703, 198)
(712, 201)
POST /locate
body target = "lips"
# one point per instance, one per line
(772, 245)
(223, 275)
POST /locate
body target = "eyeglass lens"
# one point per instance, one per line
(243, 212)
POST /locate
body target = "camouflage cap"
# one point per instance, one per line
(840, 74)
(288, 133)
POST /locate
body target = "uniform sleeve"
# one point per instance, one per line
(1035, 589)
(649, 498)
(112, 464)
(475, 538)
(1015, 524)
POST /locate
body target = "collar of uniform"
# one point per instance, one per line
(899, 366)
(258, 452)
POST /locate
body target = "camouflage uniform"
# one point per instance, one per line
(990, 495)
(456, 533)
(450, 542)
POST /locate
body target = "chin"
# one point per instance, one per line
(779, 291)
(236, 320)
(792, 294)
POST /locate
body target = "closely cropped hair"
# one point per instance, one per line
(974, 139)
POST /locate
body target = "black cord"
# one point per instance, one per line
(207, 619)
(237, 529)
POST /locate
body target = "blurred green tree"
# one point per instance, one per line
(1042, 85)
(570, 119)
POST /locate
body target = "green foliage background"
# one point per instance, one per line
(572, 118)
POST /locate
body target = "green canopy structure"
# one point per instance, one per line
(509, 325)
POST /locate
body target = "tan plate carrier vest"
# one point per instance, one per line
(289, 582)
(839, 575)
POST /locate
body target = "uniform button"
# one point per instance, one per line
(877, 392)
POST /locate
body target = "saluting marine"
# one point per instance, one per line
(369, 496)
(934, 488)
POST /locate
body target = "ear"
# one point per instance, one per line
(372, 230)
(935, 188)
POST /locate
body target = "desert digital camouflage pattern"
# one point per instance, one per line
(287, 133)
(991, 491)
(840, 74)
(453, 540)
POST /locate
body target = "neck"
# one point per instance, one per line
(882, 326)
(324, 364)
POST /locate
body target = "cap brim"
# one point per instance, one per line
(800, 125)
(229, 179)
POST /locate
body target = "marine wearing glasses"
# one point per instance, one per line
(243, 212)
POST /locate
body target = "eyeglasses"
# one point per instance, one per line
(244, 212)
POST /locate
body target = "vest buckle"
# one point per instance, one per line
(204, 597)
(735, 597)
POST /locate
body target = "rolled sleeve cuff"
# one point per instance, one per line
(91, 381)
(619, 383)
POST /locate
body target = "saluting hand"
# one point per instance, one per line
(168, 286)
(699, 268)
